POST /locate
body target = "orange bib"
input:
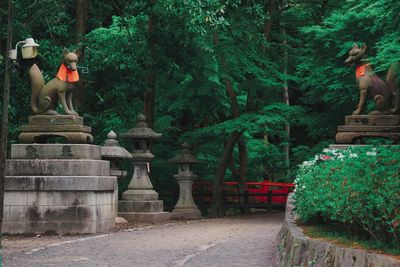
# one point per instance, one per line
(360, 70)
(67, 75)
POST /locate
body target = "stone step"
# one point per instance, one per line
(60, 183)
(56, 128)
(55, 151)
(55, 120)
(140, 195)
(368, 128)
(57, 167)
(381, 120)
(140, 206)
(148, 217)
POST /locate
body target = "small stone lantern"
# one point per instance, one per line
(142, 138)
(185, 208)
(113, 152)
(140, 201)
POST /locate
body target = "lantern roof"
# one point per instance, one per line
(185, 156)
(111, 148)
(141, 130)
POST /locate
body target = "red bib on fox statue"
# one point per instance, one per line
(360, 70)
(67, 75)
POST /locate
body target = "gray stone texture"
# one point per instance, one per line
(55, 151)
(61, 196)
(57, 167)
(295, 249)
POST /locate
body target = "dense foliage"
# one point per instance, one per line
(356, 190)
(211, 72)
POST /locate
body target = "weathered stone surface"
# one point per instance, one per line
(372, 120)
(360, 126)
(140, 206)
(295, 249)
(148, 217)
(368, 128)
(41, 137)
(183, 214)
(57, 167)
(55, 120)
(62, 195)
(140, 195)
(353, 137)
(65, 183)
(56, 128)
(55, 151)
(41, 127)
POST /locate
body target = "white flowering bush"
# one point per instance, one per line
(357, 189)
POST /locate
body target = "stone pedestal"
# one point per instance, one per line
(140, 202)
(58, 188)
(359, 126)
(41, 127)
(185, 208)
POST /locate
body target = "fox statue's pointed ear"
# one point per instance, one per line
(355, 45)
(65, 51)
(77, 51)
(364, 46)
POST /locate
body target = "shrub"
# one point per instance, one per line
(357, 189)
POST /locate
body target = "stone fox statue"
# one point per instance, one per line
(385, 94)
(44, 96)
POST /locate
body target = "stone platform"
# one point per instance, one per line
(41, 127)
(359, 126)
(58, 188)
(142, 205)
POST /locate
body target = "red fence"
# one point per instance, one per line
(258, 194)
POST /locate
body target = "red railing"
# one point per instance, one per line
(258, 192)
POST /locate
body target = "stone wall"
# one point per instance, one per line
(295, 249)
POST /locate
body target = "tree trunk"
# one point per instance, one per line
(81, 7)
(4, 118)
(243, 172)
(286, 96)
(149, 94)
(268, 24)
(216, 207)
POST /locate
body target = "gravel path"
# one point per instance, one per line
(231, 241)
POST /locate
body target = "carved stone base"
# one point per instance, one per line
(359, 126)
(41, 127)
(59, 189)
(184, 214)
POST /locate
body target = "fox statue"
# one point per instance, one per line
(385, 94)
(44, 96)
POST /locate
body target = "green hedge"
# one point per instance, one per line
(357, 189)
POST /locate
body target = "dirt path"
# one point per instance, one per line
(231, 241)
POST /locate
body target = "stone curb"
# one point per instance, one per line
(295, 249)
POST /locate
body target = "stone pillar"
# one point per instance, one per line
(185, 208)
(140, 202)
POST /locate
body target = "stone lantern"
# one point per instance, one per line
(140, 202)
(113, 152)
(185, 208)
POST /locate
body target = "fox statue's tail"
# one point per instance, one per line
(37, 83)
(392, 83)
